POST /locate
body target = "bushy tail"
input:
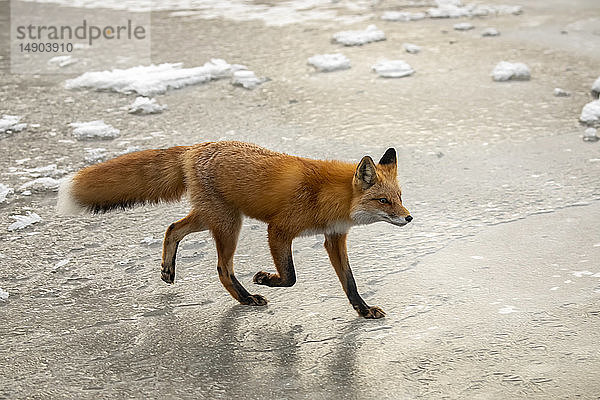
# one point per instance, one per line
(148, 176)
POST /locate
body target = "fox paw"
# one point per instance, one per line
(372, 313)
(254, 300)
(262, 278)
(167, 274)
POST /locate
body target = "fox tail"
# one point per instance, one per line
(143, 177)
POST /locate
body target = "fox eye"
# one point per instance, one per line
(383, 200)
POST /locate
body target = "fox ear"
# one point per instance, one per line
(389, 157)
(365, 174)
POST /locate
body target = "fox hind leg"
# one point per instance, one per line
(226, 237)
(281, 250)
(175, 233)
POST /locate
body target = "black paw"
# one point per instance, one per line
(262, 278)
(254, 300)
(372, 313)
(167, 274)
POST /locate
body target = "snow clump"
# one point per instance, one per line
(411, 48)
(505, 71)
(490, 32)
(329, 62)
(463, 26)
(23, 221)
(402, 16)
(5, 191)
(154, 79)
(358, 38)
(590, 114)
(10, 123)
(145, 105)
(393, 69)
(94, 130)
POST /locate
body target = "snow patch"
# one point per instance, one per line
(149, 241)
(246, 79)
(455, 9)
(3, 294)
(154, 79)
(329, 62)
(49, 170)
(590, 135)
(62, 61)
(93, 156)
(5, 191)
(358, 38)
(590, 114)
(23, 221)
(145, 105)
(490, 32)
(94, 130)
(411, 48)
(402, 16)
(392, 69)
(10, 123)
(505, 71)
(596, 88)
(41, 184)
(463, 26)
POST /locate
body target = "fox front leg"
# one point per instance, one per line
(335, 244)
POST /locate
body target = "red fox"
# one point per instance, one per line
(226, 180)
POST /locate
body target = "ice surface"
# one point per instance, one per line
(246, 79)
(402, 16)
(41, 184)
(145, 105)
(411, 48)
(62, 61)
(393, 69)
(505, 71)
(154, 79)
(358, 38)
(23, 221)
(463, 26)
(490, 32)
(10, 123)
(5, 191)
(3, 294)
(590, 114)
(590, 135)
(94, 130)
(329, 62)
(596, 88)
(558, 92)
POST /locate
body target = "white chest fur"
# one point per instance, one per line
(339, 227)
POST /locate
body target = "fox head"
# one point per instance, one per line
(377, 193)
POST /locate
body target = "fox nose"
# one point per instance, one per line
(408, 218)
